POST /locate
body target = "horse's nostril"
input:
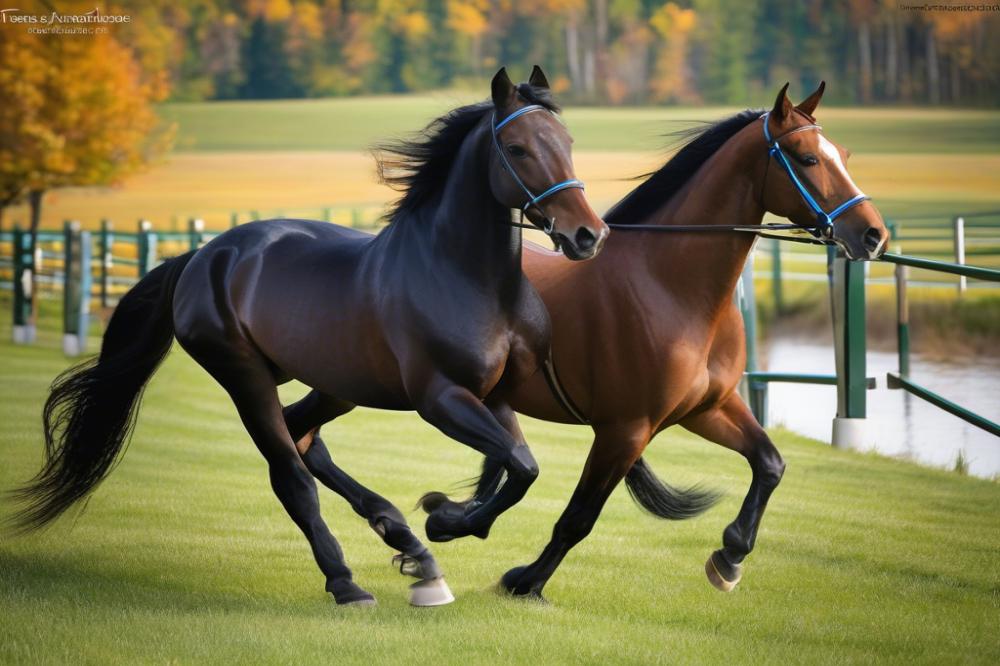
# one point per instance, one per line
(585, 238)
(872, 239)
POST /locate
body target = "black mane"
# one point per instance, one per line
(697, 145)
(419, 167)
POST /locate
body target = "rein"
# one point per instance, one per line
(533, 199)
(824, 221)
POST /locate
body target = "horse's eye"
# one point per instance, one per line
(809, 160)
(517, 151)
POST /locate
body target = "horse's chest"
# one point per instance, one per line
(481, 352)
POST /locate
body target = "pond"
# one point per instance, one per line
(899, 424)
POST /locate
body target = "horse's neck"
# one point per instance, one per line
(705, 266)
(469, 228)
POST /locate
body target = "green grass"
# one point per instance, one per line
(185, 556)
(355, 123)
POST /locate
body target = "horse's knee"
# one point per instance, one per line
(383, 510)
(521, 464)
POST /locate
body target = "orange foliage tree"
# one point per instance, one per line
(80, 113)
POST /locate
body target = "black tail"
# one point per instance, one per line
(663, 501)
(92, 407)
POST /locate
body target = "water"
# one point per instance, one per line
(900, 424)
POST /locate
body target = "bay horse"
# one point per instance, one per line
(662, 342)
(432, 314)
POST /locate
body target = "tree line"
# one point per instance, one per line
(601, 51)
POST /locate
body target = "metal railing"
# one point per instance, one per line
(847, 289)
(901, 379)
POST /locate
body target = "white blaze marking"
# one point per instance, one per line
(827, 148)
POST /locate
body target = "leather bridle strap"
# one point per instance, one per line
(533, 200)
(824, 220)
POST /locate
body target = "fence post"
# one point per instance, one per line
(355, 217)
(24, 265)
(779, 303)
(849, 345)
(234, 220)
(146, 247)
(960, 252)
(107, 242)
(755, 392)
(327, 215)
(76, 288)
(902, 321)
(195, 228)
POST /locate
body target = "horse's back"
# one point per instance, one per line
(260, 283)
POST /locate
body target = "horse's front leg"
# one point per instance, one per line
(733, 425)
(616, 448)
(493, 431)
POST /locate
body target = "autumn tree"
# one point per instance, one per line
(77, 112)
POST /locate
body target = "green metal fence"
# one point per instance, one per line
(846, 281)
(901, 378)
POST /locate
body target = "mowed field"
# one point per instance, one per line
(296, 157)
(185, 556)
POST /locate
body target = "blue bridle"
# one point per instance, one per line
(533, 199)
(824, 220)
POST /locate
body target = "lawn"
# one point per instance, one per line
(184, 555)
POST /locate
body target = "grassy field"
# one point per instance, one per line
(185, 556)
(295, 157)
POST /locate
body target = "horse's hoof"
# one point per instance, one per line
(433, 592)
(510, 585)
(721, 574)
(367, 602)
(346, 593)
(447, 522)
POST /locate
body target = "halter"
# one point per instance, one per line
(533, 199)
(824, 220)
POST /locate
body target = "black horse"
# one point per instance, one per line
(432, 314)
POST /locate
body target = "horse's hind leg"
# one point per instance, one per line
(253, 391)
(304, 419)
(733, 425)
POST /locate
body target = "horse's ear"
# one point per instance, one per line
(809, 104)
(538, 79)
(503, 89)
(782, 105)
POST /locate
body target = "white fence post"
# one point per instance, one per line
(963, 282)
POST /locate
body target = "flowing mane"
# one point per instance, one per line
(697, 145)
(419, 166)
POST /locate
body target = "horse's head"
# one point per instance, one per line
(806, 180)
(532, 168)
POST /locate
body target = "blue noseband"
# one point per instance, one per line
(824, 220)
(533, 199)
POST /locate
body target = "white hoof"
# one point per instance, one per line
(432, 592)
